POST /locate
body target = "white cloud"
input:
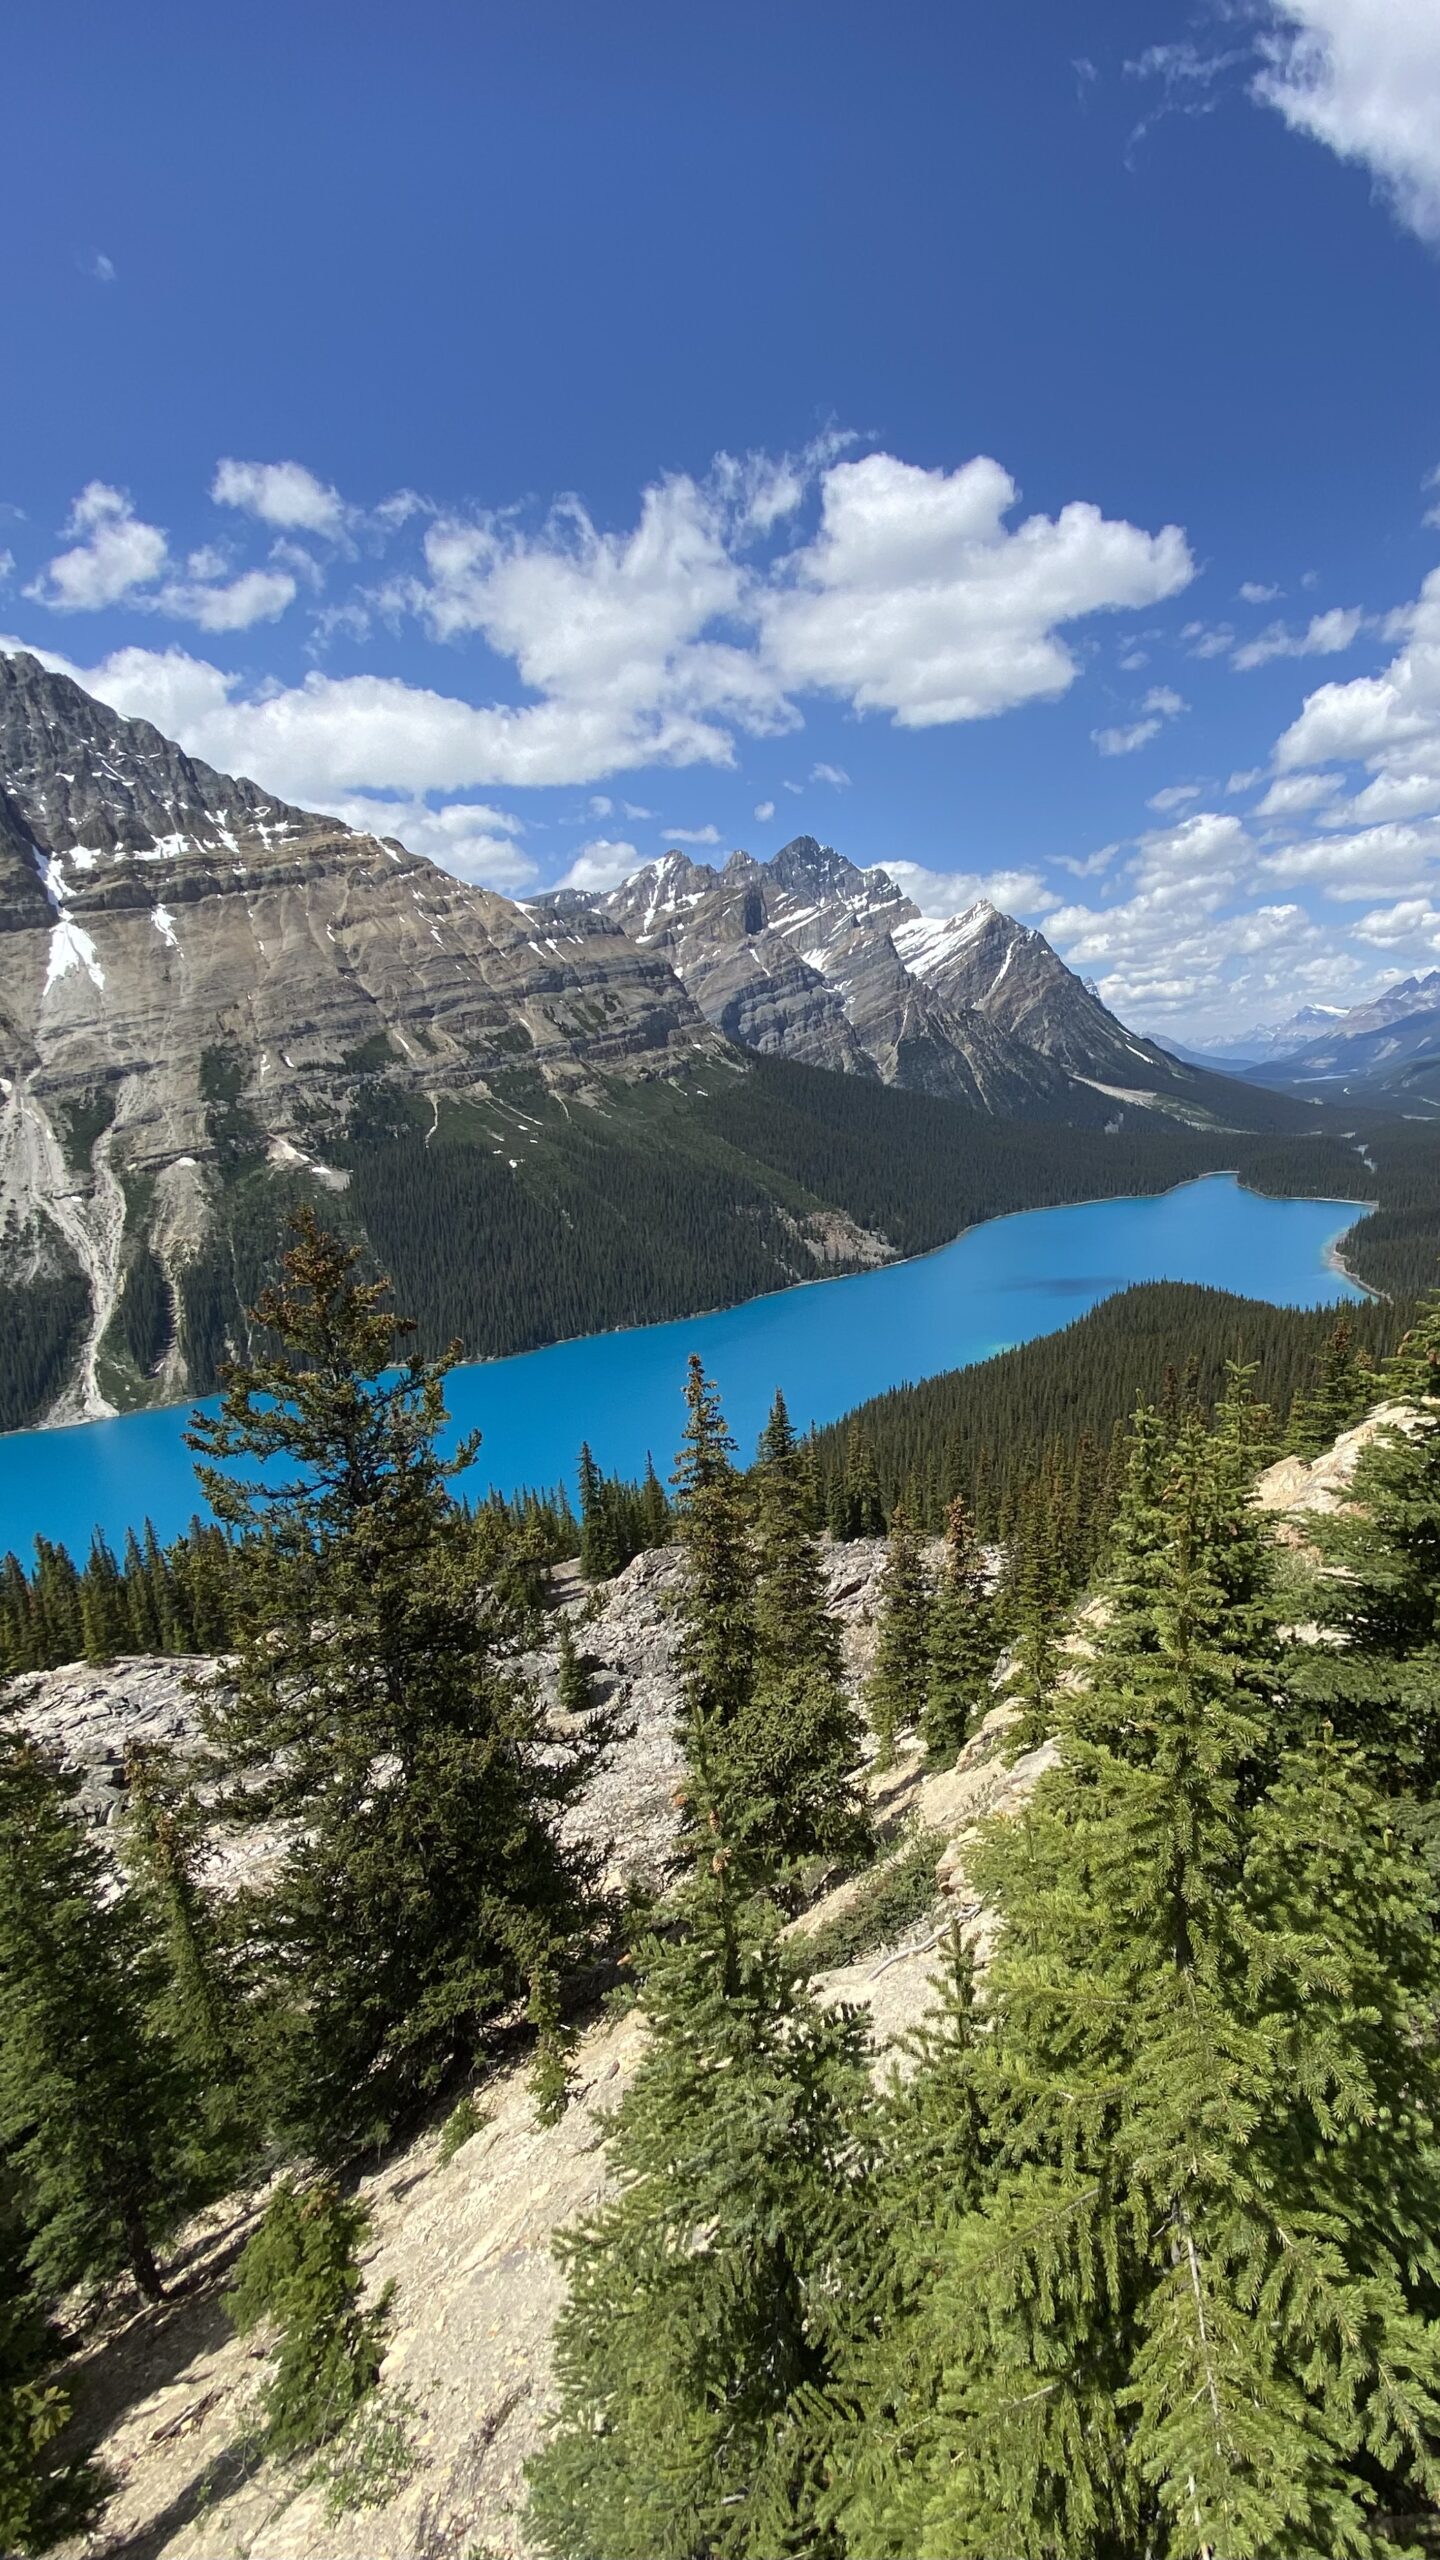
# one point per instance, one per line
(1133, 660)
(913, 598)
(692, 835)
(1161, 703)
(99, 268)
(601, 865)
(1126, 742)
(1207, 640)
(473, 841)
(113, 553)
(834, 774)
(659, 644)
(764, 809)
(1174, 796)
(1363, 76)
(948, 893)
(1251, 592)
(259, 595)
(284, 494)
(1409, 921)
(1294, 793)
(1177, 945)
(1324, 636)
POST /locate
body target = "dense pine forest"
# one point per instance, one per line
(664, 1202)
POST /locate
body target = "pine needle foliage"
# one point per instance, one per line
(300, 2276)
(41, 2494)
(369, 1703)
(95, 2111)
(197, 2006)
(963, 1644)
(799, 1740)
(896, 1691)
(1379, 1680)
(1195, 2307)
(708, 2299)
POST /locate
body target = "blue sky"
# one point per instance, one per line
(995, 439)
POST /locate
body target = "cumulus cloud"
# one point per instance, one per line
(915, 598)
(834, 774)
(1174, 796)
(283, 494)
(1294, 793)
(1324, 636)
(1178, 944)
(948, 893)
(475, 842)
(1251, 592)
(258, 595)
(1363, 76)
(112, 553)
(602, 864)
(692, 835)
(1388, 724)
(100, 269)
(764, 809)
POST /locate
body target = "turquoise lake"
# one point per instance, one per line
(828, 1345)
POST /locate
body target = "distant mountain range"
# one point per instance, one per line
(808, 957)
(544, 1117)
(1384, 1053)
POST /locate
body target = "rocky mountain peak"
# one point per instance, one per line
(83, 782)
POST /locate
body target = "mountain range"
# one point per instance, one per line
(808, 957)
(545, 1117)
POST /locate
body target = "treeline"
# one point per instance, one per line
(985, 1432)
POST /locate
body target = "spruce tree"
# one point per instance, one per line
(1194, 2309)
(600, 1555)
(41, 2495)
(572, 1674)
(895, 1692)
(1344, 1386)
(799, 1737)
(654, 1522)
(1378, 1680)
(95, 2111)
(369, 1708)
(196, 2009)
(963, 1643)
(716, 1652)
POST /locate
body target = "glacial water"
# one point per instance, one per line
(828, 1345)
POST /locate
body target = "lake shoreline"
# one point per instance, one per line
(1002, 1281)
(1332, 1258)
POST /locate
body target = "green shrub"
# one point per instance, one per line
(891, 1899)
(462, 2121)
(371, 2461)
(301, 2275)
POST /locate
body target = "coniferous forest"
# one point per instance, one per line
(1135, 2254)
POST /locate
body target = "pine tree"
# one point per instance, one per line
(94, 2110)
(895, 1692)
(41, 2496)
(369, 1704)
(799, 1738)
(1194, 2309)
(573, 1674)
(196, 2007)
(600, 1555)
(1380, 1683)
(963, 1644)
(709, 2299)
(654, 1510)
(1344, 1387)
(716, 1652)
